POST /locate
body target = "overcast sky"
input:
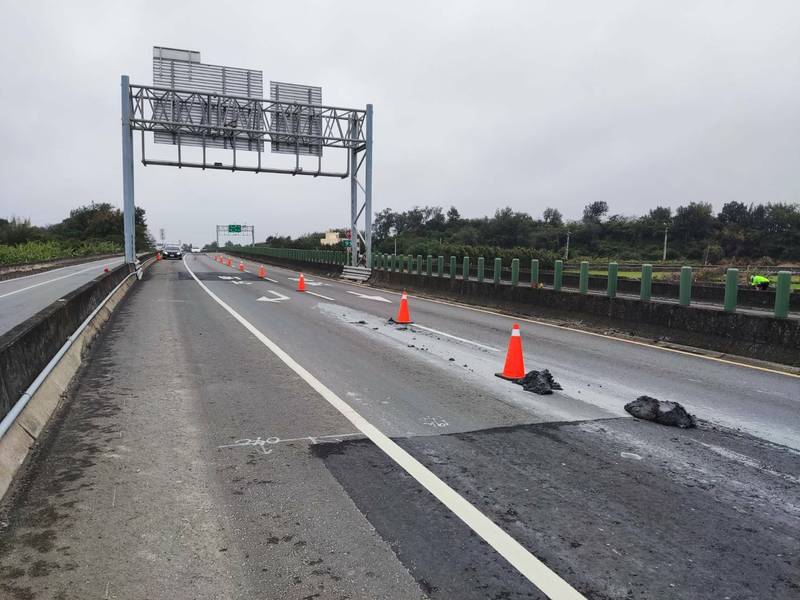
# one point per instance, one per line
(477, 104)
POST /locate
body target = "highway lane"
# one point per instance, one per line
(599, 373)
(194, 452)
(23, 297)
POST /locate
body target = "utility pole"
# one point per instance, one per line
(666, 230)
(566, 250)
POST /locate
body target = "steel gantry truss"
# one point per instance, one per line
(237, 231)
(209, 120)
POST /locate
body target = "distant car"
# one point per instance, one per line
(172, 251)
(195, 250)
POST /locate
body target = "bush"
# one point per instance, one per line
(31, 252)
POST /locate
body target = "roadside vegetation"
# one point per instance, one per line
(762, 234)
(88, 230)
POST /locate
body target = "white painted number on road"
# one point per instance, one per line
(378, 298)
(435, 422)
(278, 297)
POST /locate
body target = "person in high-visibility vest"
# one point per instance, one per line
(759, 282)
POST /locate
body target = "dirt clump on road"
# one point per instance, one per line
(538, 382)
(661, 411)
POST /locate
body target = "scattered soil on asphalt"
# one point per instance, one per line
(661, 411)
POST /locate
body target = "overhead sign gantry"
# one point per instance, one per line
(206, 110)
(237, 231)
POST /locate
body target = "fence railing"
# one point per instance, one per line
(451, 267)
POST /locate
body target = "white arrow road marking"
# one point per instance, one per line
(278, 297)
(320, 296)
(228, 277)
(308, 281)
(242, 282)
(378, 298)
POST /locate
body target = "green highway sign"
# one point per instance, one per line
(346, 243)
(234, 229)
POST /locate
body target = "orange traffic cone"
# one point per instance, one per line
(301, 284)
(403, 317)
(230, 262)
(262, 272)
(241, 266)
(515, 363)
(158, 255)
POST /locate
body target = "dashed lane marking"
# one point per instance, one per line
(320, 296)
(515, 553)
(454, 337)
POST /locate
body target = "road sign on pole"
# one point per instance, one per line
(195, 106)
(237, 231)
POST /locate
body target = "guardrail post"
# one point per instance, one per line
(646, 287)
(783, 288)
(419, 264)
(583, 278)
(558, 275)
(428, 265)
(440, 266)
(465, 268)
(481, 268)
(452, 267)
(410, 263)
(498, 269)
(515, 272)
(611, 290)
(685, 289)
(534, 273)
(731, 289)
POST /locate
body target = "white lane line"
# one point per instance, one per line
(30, 287)
(48, 272)
(320, 296)
(378, 298)
(270, 280)
(515, 553)
(437, 332)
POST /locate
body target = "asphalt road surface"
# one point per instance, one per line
(233, 438)
(23, 297)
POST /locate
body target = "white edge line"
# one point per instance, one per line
(35, 285)
(526, 563)
(320, 296)
(436, 331)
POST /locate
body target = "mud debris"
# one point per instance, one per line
(538, 382)
(661, 411)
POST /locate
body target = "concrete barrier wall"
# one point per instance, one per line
(31, 422)
(27, 348)
(760, 337)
